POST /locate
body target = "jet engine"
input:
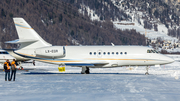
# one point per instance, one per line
(51, 52)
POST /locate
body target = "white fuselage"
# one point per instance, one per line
(100, 56)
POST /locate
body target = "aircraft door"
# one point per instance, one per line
(99, 53)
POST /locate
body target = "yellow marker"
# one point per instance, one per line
(61, 69)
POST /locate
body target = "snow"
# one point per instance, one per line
(173, 50)
(139, 25)
(43, 22)
(162, 28)
(110, 84)
(74, 41)
(150, 34)
(90, 12)
(4, 30)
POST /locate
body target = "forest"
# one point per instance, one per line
(59, 23)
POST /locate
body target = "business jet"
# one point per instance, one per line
(34, 47)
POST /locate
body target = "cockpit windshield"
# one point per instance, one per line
(152, 51)
(156, 51)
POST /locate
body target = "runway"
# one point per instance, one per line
(111, 84)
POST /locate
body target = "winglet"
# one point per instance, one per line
(112, 44)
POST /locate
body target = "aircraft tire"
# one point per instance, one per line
(146, 73)
(87, 70)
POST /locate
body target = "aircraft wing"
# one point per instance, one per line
(95, 63)
(89, 64)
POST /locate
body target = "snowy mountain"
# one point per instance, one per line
(95, 22)
(61, 22)
(154, 19)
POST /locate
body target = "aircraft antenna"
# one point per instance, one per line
(112, 44)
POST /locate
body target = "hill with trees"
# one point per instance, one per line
(60, 23)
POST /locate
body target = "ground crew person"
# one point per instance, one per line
(7, 65)
(13, 69)
(34, 62)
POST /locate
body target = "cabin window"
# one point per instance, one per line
(99, 53)
(112, 53)
(104, 53)
(152, 51)
(90, 53)
(117, 53)
(108, 53)
(156, 51)
(121, 53)
(125, 52)
(94, 53)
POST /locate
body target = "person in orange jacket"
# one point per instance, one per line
(13, 69)
(7, 65)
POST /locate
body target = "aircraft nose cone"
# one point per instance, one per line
(169, 60)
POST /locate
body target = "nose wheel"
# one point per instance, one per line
(147, 68)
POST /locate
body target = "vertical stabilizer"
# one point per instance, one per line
(28, 37)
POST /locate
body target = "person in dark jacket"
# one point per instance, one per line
(7, 65)
(34, 62)
(13, 69)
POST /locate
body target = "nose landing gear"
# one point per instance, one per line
(147, 68)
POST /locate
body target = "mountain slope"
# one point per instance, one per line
(153, 14)
(60, 23)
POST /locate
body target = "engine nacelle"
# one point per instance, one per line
(51, 52)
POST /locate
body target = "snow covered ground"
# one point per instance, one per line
(111, 84)
(151, 34)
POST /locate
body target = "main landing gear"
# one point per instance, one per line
(85, 70)
(147, 68)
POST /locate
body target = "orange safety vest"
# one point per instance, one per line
(13, 63)
(7, 64)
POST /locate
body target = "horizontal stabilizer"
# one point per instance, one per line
(21, 41)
